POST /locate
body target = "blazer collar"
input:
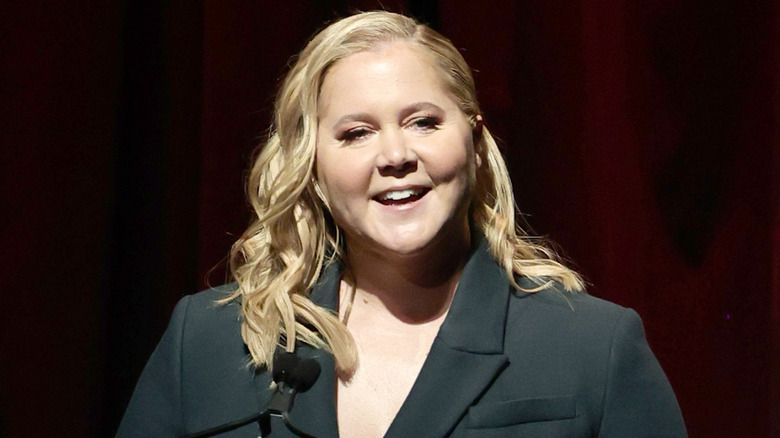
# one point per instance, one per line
(465, 358)
(477, 317)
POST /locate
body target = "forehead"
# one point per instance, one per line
(401, 50)
(398, 66)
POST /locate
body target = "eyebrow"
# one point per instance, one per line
(420, 106)
(405, 111)
(353, 118)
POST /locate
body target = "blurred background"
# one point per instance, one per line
(643, 137)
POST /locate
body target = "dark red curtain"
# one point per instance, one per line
(643, 137)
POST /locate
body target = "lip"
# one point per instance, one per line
(423, 189)
(415, 187)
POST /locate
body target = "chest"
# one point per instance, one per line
(390, 361)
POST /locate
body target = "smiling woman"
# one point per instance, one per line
(396, 164)
(385, 249)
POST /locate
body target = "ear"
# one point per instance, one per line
(477, 129)
(476, 135)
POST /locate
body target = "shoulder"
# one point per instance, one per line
(205, 305)
(560, 342)
(573, 346)
(576, 310)
(204, 333)
(206, 300)
(203, 320)
(197, 375)
(577, 334)
(216, 379)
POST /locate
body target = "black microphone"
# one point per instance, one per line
(284, 364)
(291, 376)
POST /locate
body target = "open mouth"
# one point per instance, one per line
(400, 197)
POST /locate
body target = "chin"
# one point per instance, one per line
(409, 239)
(409, 243)
(404, 248)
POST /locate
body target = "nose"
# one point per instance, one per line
(395, 157)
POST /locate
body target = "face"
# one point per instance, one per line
(395, 154)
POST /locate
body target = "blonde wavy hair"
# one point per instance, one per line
(278, 259)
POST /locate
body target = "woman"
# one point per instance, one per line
(385, 248)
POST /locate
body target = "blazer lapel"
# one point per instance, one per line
(466, 356)
(448, 384)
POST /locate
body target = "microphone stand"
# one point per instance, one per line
(265, 425)
(280, 406)
(228, 426)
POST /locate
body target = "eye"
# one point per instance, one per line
(353, 135)
(425, 123)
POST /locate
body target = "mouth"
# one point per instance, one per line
(400, 197)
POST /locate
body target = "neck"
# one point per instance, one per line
(414, 288)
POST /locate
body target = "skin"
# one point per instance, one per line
(388, 125)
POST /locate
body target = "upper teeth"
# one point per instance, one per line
(398, 195)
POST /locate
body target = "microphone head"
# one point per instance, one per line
(284, 365)
(305, 374)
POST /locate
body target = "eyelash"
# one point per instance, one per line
(428, 122)
(353, 135)
(420, 123)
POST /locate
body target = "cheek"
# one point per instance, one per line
(454, 164)
(339, 178)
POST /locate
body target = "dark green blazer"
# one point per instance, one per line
(504, 364)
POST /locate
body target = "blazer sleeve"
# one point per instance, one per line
(155, 407)
(639, 400)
